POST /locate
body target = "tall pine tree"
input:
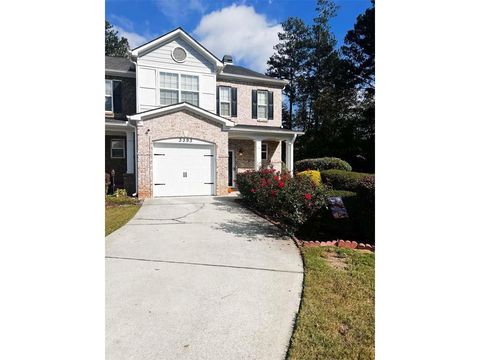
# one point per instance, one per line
(289, 60)
(114, 45)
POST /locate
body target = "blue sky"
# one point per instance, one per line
(245, 29)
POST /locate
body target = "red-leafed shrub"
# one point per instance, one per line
(291, 200)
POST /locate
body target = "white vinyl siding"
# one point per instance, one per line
(160, 60)
(117, 149)
(225, 101)
(262, 104)
(109, 96)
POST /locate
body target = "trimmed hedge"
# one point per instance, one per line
(324, 163)
(313, 175)
(344, 180)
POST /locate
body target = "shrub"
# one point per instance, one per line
(324, 163)
(291, 200)
(313, 175)
(343, 180)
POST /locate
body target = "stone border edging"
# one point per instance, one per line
(340, 243)
(299, 243)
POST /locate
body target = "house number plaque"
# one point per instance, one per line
(185, 140)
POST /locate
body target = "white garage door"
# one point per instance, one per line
(183, 169)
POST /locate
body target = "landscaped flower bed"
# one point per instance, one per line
(299, 203)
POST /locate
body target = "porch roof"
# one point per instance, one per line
(262, 132)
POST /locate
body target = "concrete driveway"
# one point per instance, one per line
(200, 278)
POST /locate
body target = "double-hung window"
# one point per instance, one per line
(264, 152)
(225, 101)
(262, 104)
(189, 89)
(174, 89)
(168, 88)
(109, 96)
(117, 149)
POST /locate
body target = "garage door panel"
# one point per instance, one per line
(183, 169)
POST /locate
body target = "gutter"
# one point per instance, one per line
(252, 78)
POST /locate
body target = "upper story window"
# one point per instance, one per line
(262, 104)
(189, 88)
(109, 96)
(172, 93)
(225, 101)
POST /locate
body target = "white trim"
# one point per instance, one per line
(179, 107)
(179, 47)
(111, 148)
(109, 112)
(266, 152)
(278, 82)
(263, 105)
(263, 130)
(225, 102)
(143, 49)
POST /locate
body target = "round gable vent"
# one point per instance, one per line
(179, 54)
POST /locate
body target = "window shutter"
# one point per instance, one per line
(234, 101)
(218, 100)
(254, 104)
(270, 105)
(117, 97)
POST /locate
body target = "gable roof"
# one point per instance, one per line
(178, 32)
(144, 115)
(240, 72)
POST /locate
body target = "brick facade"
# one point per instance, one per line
(246, 160)
(180, 124)
(129, 89)
(244, 103)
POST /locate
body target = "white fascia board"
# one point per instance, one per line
(141, 50)
(252, 78)
(263, 130)
(179, 107)
(121, 73)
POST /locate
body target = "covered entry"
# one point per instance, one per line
(183, 167)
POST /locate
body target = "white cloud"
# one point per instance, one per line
(240, 31)
(178, 10)
(134, 39)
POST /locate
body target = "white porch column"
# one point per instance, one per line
(289, 155)
(257, 153)
(130, 152)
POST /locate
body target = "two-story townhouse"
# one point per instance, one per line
(120, 101)
(199, 120)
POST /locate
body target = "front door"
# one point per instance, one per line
(231, 168)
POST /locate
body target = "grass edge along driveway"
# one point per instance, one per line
(117, 216)
(337, 313)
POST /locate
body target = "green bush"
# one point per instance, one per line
(313, 175)
(360, 224)
(324, 163)
(291, 200)
(343, 180)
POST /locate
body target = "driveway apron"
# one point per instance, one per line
(200, 278)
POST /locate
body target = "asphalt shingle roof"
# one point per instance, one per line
(119, 64)
(240, 70)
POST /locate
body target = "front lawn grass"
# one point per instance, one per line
(118, 211)
(337, 314)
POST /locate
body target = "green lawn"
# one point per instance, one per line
(117, 216)
(337, 314)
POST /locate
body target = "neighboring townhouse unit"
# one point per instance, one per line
(197, 122)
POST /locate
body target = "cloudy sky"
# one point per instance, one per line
(245, 29)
